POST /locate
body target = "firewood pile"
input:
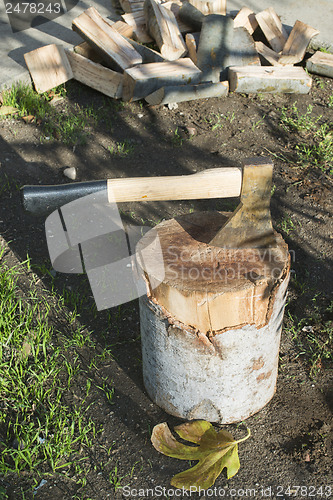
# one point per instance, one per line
(199, 52)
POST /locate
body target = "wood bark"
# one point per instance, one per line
(144, 79)
(321, 64)
(191, 16)
(215, 316)
(181, 93)
(288, 79)
(215, 45)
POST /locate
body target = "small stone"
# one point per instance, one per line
(172, 105)
(70, 172)
(191, 131)
(140, 115)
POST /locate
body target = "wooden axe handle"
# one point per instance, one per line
(224, 182)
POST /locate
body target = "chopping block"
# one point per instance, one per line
(212, 313)
(210, 330)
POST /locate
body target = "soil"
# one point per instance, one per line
(291, 443)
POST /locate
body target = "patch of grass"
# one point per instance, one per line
(286, 224)
(292, 119)
(68, 125)
(330, 101)
(313, 335)
(39, 430)
(317, 151)
(257, 123)
(124, 148)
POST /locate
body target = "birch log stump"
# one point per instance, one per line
(210, 330)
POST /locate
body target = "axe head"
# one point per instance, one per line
(250, 225)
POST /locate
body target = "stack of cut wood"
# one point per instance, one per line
(201, 53)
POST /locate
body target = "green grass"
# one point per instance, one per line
(39, 430)
(312, 333)
(123, 148)
(317, 151)
(69, 125)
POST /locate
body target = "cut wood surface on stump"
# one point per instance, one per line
(144, 79)
(181, 93)
(48, 67)
(295, 47)
(215, 315)
(95, 75)
(113, 47)
(271, 26)
(246, 18)
(288, 79)
(162, 26)
(321, 64)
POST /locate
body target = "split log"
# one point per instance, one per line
(114, 48)
(192, 41)
(175, 8)
(271, 26)
(216, 315)
(246, 18)
(162, 26)
(215, 45)
(144, 79)
(243, 53)
(210, 6)
(123, 28)
(297, 43)
(191, 16)
(95, 75)
(321, 64)
(48, 67)
(148, 55)
(138, 21)
(221, 46)
(287, 79)
(129, 6)
(268, 54)
(85, 50)
(181, 93)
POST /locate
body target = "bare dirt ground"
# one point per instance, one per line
(291, 443)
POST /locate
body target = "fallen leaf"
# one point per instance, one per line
(216, 451)
(28, 118)
(8, 110)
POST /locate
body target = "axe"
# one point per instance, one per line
(249, 226)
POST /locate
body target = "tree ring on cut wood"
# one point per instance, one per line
(211, 289)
